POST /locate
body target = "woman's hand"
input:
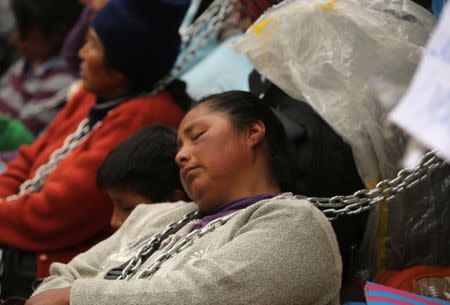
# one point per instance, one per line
(58, 296)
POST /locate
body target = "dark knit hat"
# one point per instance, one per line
(140, 37)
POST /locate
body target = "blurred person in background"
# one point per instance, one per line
(51, 208)
(30, 91)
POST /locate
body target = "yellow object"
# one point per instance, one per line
(382, 229)
(327, 6)
(258, 27)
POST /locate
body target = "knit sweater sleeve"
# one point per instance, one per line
(284, 253)
(70, 209)
(90, 264)
(85, 265)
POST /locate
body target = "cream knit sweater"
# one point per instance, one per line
(277, 251)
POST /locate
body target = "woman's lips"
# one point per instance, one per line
(188, 172)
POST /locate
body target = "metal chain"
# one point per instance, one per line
(196, 36)
(137, 261)
(182, 244)
(36, 183)
(385, 190)
(334, 207)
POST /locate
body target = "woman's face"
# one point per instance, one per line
(212, 153)
(97, 77)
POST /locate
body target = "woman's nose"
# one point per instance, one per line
(82, 51)
(182, 157)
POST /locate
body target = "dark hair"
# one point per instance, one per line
(50, 16)
(243, 108)
(144, 163)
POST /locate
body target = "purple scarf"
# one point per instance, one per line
(229, 208)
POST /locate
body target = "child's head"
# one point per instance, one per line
(41, 26)
(141, 169)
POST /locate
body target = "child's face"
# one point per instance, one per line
(35, 45)
(124, 203)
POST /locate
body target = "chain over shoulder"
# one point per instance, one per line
(196, 36)
(334, 207)
(36, 183)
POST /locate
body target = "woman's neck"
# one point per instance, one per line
(112, 94)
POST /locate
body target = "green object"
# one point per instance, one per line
(13, 133)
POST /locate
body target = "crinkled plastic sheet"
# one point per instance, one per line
(338, 56)
(327, 52)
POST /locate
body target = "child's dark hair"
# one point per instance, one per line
(243, 108)
(144, 164)
(50, 16)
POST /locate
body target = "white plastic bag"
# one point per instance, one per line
(326, 53)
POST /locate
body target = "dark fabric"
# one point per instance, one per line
(203, 6)
(256, 7)
(141, 38)
(102, 107)
(75, 40)
(177, 89)
(19, 271)
(13, 301)
(424, 3)
(325, 163)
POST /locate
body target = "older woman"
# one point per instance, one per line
(51, 205)
(242, 241)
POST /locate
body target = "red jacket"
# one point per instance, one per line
(70, 214)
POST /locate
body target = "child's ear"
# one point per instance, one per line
(178, 195)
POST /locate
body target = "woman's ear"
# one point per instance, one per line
(256, 133)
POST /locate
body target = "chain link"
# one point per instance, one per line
(151, 246)
(182, 244)
(36, 183)
(333, 207)
(137, 261)
(193, 39)
(385, 190)
(196, 36)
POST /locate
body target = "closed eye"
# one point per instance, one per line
(197, 135)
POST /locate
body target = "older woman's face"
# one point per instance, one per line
(211, 154)
(97, 77)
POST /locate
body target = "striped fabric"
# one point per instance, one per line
(32, 95)
(382, 295)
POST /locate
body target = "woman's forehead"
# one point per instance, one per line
(201, 114)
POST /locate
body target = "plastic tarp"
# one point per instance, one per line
(327, 52)
(338, 56)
